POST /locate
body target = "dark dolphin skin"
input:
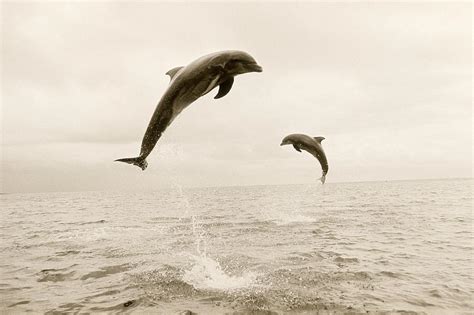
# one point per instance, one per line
(187, 85)
(311, 145)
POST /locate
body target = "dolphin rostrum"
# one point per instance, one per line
(187, 85)
(311, 145)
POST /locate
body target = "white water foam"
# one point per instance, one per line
(208, 274)
(289, 218)
(294, 210)
(292, 213)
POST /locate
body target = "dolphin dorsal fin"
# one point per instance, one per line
(173, 72)
(319, 139)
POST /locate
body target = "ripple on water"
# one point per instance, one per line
(164, 283)
(390, 274)
(57, 275)
(68, 252)
(346, 260)
(19, 303)
(66, 308)
(106, 271)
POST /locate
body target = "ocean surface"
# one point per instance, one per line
(343, 248)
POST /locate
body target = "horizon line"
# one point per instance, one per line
(251, 185)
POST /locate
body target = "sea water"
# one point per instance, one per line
(358, 248)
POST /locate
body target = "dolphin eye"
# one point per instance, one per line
(232, 63)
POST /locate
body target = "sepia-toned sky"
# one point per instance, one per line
(387, 84)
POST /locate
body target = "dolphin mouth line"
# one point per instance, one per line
(255, 67)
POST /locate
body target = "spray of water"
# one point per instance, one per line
(205, 272)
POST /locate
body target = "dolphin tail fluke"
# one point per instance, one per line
(323, 179)
(138, 161)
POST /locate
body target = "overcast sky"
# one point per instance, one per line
(387, 84)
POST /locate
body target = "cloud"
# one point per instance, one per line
(388, 85)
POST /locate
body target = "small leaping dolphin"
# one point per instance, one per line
(311, 145)
(187, 85)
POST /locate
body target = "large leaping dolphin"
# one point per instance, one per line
(311, 145)
(187, 85)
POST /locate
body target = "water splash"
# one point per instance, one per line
(207, 273)
(284, 218)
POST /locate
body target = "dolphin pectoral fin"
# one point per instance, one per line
(225, 87)
(173, 72)
(296, 148)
